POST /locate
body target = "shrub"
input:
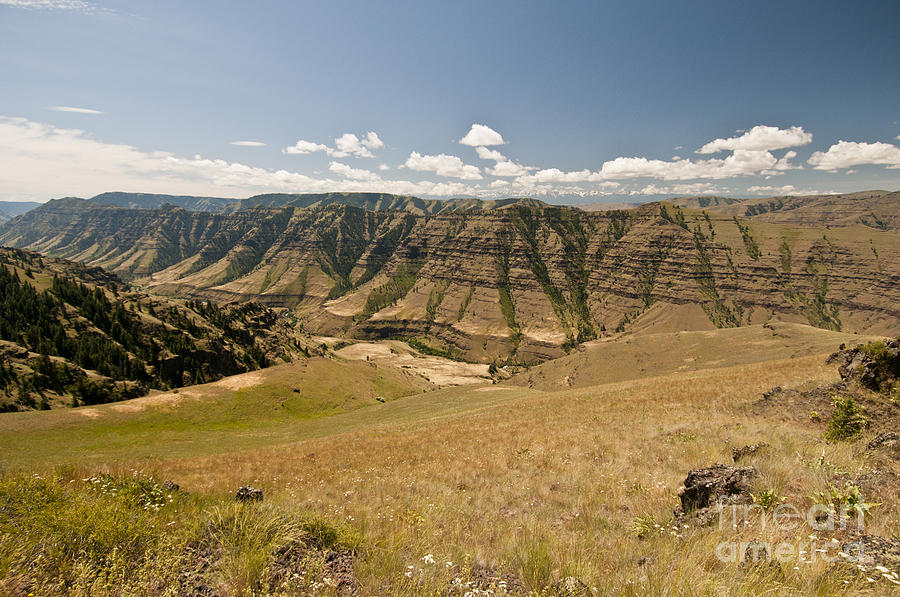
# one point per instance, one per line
(644, 526)
(849, 498)
(884, 365)
(767, 499)
(847, 420)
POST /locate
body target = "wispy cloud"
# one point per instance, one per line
(248, 143)
(70, 5)
(71, 109)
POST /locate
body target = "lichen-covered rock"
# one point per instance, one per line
(888, 439)
(875, 365)
(705, 489)
(751, 450)
(248, 494)
(570, 587)
(872, 551)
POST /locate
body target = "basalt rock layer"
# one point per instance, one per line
(512, 279)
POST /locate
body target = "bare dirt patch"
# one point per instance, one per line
(438, 370)
(240, 381)
(139, 404)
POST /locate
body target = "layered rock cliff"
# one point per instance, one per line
(510, 280)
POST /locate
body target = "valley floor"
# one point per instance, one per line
(485, 487)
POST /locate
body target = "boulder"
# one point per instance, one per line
(248, 494)
(771, 392)
(752, 449)
(871, 551)
(705, 489)
(875, 366)
(888, 439)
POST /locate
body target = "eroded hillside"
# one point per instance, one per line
(514, 280)
(71, 334)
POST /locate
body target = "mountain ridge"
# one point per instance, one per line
(73, 334)
(521, 280)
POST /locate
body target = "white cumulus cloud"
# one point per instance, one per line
(349, 144)
(490, 154)
(740, 163)
(845, 154)
(304, 147)
(443, 165)
(84, 166)
(482, 135)
(760, 138)
(507, 168)
(353, 173)
(248, 143)
(346, 145)
(698, 188)
(504, 166)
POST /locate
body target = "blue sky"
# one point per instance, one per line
(587, 100)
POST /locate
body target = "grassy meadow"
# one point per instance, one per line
(478, 490)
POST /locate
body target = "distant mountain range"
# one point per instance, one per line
(370, 201)
(11, 209)
(512, 279)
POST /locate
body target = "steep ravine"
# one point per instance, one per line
(521, 282)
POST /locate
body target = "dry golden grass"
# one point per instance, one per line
(549, 485)
(539, 486)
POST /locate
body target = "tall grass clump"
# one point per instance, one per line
(122, 535)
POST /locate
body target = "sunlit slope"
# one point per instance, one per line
(644, 355)
(328, 396)
(239, 412)
(536, 486)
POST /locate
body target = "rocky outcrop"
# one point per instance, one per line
(875, 553)
(705, 490)
(749, 450)
(889, 440)
(875, 366)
